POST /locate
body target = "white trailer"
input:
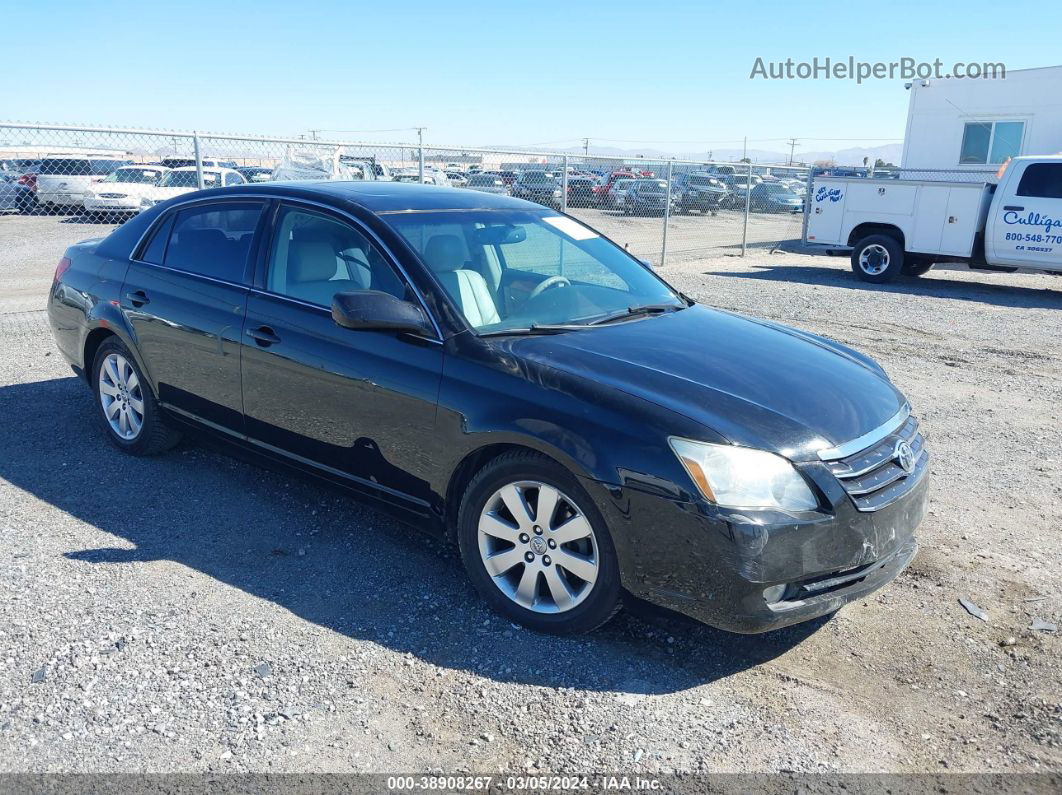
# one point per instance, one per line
(906, 226)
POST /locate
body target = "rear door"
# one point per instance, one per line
(185, 295)
(827, 203)
(358, 403)
(1024, 227)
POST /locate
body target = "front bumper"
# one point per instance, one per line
(124, 205)
(61, 198)
(754, 571)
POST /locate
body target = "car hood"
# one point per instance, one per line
(755, 383)
(161, 194)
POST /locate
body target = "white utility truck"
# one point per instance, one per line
(898, 227)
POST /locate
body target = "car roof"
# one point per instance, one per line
(211, 169)
(382, 197)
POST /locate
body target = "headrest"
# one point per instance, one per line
(445, 253)
(311, 261)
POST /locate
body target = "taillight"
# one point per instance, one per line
(61, 268)
(29, 181)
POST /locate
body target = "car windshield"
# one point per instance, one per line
(537, 176)
(496, 182)
(140, 176)
(187, 179)
(652, 186)
(518, 269)
(621, 184)
(701, 181)
(771, 187)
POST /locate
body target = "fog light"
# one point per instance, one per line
(774, 593)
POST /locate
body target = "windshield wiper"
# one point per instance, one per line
(636, 311)
(534, 328)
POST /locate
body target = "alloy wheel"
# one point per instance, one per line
(121, 397)
(538, 547)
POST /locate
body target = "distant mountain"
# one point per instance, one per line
(890, 153)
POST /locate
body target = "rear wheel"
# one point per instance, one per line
(125, 404)
(535, 546)
(916, 268)
(877, 258)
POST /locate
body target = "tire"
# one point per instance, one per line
(541, 593)
(916, 268)
(877, 259)
(124, 384)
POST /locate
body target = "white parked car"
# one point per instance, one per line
(430, 177)
(126, 190)
(184, 180)
(63, 179)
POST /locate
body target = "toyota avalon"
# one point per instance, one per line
(503, 375)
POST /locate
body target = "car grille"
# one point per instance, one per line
(873, 477)
(112, 195)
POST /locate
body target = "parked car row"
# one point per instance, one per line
(110, 184)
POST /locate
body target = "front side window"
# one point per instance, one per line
(990, 143)
(589, 277)
(1041, 181)
(212, 240)
(314, 256)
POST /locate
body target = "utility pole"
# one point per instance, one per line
(745, 149)
(313, 134)
(586, 147)
(792, 146)
(420, 148)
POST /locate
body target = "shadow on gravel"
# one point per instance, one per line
(994, 294)
(322, 556)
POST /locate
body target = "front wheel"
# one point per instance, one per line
(536, 548)
(877, 258)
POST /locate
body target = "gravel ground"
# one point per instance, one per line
(195, 612)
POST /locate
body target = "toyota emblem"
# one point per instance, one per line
(904, 456)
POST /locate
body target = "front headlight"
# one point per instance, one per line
(740, 477)
(145, 203)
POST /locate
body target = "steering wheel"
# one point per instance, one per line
(552, 281)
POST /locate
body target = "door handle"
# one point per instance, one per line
(1012, 207)
(263, 335)
(138, 298)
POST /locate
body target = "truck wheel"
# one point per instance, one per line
(877, 258)
(917, 268)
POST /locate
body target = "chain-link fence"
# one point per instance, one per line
(662, 210)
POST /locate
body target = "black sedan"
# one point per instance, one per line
(503, 375)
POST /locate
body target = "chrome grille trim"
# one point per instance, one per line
(873, 478)
(868, 438)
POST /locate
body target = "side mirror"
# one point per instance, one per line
(372, 310)
(647, 263)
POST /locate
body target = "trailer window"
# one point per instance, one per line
(1042, 181)
(986, 142)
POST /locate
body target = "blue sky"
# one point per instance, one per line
(669, 75)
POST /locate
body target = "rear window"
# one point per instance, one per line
(1042, 181)
(208, 239)
(65, 167)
